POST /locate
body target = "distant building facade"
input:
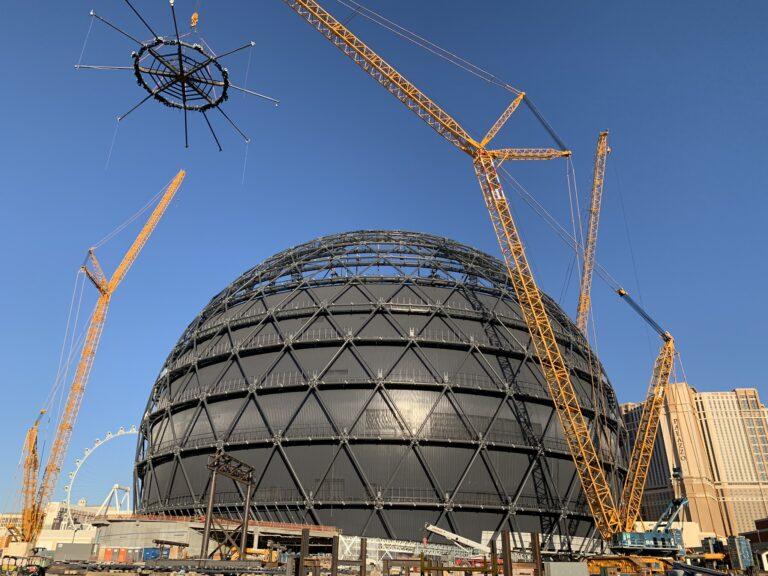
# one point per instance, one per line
(719, 443)
(759, 540)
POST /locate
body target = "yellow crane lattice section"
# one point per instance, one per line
(591, 474)
(35, 507)
(640, 460)
(590, 246)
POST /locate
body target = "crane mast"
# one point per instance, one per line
(35, 506)
(596, 197)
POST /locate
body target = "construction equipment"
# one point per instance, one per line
(640, 458)
(31, 468)
(36, 496)
(662, 538)
(634, 485)
(460, 541)
(609, 519)
(595, 199)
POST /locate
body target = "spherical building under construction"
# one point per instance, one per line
(377, 381)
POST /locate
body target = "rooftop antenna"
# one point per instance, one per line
(179, 73)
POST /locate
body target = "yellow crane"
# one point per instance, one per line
(642, 450)
(639, 463)
(30, 470)
(36, 496)
(609, 519)
(590, 246)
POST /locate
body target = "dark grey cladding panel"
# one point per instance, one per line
(376, 381)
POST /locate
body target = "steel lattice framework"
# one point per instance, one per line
(180, 74)
(375, 381)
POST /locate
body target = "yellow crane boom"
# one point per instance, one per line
(596, 197)
(35, 507)
(31, 467)
(609, 519)
(591, 474)
(642, 450)
(575, 430)
(402, 89)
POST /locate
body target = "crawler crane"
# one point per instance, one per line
(37, 495)
(640, 458)
(610, 519)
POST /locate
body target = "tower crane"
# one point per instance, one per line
(609, 518)
(37, 496)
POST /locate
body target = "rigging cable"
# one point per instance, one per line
(247, 72)
(78, 276)
(245, 165)
(451, 57)
(595, 374)
(428, 45)
(112, 145)
(575, 215)
(85, 42)
(127, 222)
(566, 236)
(631, 250)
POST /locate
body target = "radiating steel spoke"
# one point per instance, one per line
(252, 93)
(91, 67)
(215, 58)
(213, 133)
(142, 19)
(156, 72)
(247, 140)
(147, 97)
(116, 28)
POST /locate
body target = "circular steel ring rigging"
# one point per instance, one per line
(167, 77)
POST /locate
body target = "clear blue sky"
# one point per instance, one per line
(681, 86)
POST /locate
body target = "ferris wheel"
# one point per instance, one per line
(118, 496)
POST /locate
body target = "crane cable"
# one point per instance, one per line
(428, 45)
(85, 42)
(452, 58)
(55, 393)
(595, 377)
(119, 228)
(575, 214)
(630, 245)
(564, 235)
(74, 334)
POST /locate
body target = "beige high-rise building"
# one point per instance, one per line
(718, 442)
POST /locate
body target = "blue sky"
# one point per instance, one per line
(680, 85)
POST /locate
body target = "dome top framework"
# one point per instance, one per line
(180, 74)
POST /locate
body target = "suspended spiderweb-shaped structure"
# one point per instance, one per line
(180, 74)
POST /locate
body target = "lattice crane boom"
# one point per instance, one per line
(640, 459)
(87, 356)
(31, 468)
(575, 430)
(591, 474)
(596, 197)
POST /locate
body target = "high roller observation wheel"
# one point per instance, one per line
(72, 476)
